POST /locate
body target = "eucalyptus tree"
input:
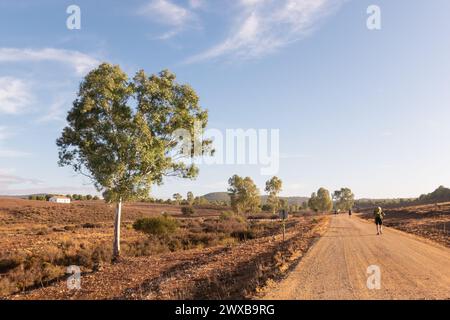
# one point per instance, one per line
(344, 199)
(190, 198)
(273, 188)
(244, 195)
(320, 201)
(124, 134)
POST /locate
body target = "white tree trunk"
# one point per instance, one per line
(116, 247)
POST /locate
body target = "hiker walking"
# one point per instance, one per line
(350, 213)
(379, 216)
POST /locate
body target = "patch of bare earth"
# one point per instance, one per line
(222, 272)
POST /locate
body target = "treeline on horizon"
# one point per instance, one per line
(244, 197)
(217, 200)
(73, 197)
(441, 194)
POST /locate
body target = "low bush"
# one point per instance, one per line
(9, 264)
(243, 235)
(158, 226)
(89, 225)
(230, 215)
(187, 211)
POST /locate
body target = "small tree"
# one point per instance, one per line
(313, 202)
(187, 211)
(199, 201)
(344, 199)
(127, 134)
(244, 195)
(324, 201)
(190, 198)
(305, 205)
(177, 197)
(273, 188)
(284, 204)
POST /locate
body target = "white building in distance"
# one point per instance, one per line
(59, 199)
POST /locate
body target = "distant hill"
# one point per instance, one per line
(223, 196)
(290, 200)
(217, 196)
(441, 194)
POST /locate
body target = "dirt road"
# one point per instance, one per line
(336, 267)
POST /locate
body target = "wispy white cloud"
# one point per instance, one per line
(5, 152)
(40, 187)
(169, 14)
(7, 180)
(57, 109)
(81, 62)
(15, 95)
(265, 26)
(10, 153)
(196, 4)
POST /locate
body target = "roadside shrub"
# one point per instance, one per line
(203, 239)
(89, 225)
(101, 253)
(243, 235)
(187, 211)
(230, 215)
(174, 244)
(9, 264)
(145, 247)
(6, 287)
(263, 216)
(158, 226)
(51, 272)
(43, 232)
(193, 226)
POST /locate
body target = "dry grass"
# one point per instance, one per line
(38, 240)
(224, 271)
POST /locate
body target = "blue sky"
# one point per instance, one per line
(367, 109)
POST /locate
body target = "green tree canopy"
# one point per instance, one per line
(190, 198)
(344, 199)
(177, 197)
(321, 201)
(123, 133)
(244, 195)
(273, 188)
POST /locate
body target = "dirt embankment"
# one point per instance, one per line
(223, 272)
